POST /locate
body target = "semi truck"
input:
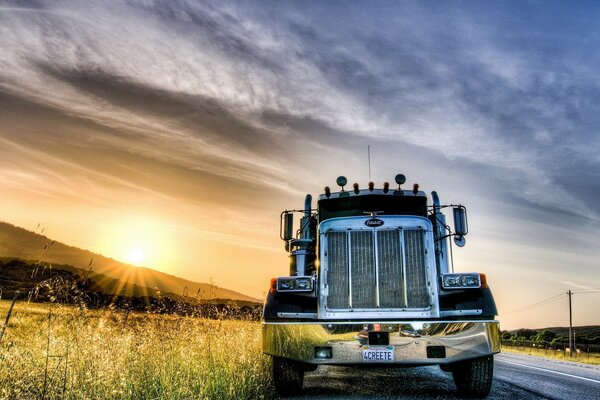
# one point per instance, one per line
(372, 284)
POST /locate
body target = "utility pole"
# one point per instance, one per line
(571, 344)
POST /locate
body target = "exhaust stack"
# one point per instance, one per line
(302, 255)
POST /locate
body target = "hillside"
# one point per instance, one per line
(590, 330)
(22, 244)
(24, 275)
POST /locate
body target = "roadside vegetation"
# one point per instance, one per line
(585, 335)
(57, 351)
(557, 354)
(554, 343)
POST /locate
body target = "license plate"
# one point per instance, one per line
(378, 354)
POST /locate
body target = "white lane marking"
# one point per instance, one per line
(549, 370)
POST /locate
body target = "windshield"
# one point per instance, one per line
(384, 204)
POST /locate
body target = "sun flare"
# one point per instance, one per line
(136, 256)
(139, 242)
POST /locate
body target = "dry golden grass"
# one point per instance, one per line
(54, 352)
(587, 358)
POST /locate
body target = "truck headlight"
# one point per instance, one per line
(470, 280)
(303, 283)
(323, 352)
(285, 284)
(295, 284)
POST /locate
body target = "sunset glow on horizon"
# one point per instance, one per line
(138, 243)
(172, 135)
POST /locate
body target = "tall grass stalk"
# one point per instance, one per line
(8, 314)
(47, 353)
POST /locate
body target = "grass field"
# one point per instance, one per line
(51, 351)
(587, 358)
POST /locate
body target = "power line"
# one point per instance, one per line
(533, 306)
(586, 291)
(549, 300)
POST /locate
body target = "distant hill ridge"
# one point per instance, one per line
(584, 330)
(16, 242)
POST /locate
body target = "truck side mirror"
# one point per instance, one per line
(461, 228)
(286, 231)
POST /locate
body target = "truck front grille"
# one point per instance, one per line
(376, 269)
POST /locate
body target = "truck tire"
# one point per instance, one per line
(473, 378)
(446, 367)
(288, 376)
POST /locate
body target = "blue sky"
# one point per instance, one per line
(202, 121)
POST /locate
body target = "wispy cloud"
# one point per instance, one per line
(456, 88)
(570, 284)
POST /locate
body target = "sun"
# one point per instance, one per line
(140, 242)
(136, 255)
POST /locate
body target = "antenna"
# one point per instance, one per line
(369, 156)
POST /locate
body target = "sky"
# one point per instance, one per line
(173, 133)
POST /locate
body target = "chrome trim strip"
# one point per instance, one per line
(349, 236)
(457, 313)
(376, 257)
(306, 315)
(405, 282)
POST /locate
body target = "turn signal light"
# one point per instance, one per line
(273, 286)
(483, 281)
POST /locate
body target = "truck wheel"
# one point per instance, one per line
(446, 367)
(287, 376)
(473, 378)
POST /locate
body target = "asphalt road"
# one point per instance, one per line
(515, 377)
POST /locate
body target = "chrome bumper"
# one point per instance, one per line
(461, 340)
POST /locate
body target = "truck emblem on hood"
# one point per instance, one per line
(374, 222)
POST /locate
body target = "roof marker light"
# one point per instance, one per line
(371, 186)
(416, 188)
(386, 187)
(327, 192)
(356, 189)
